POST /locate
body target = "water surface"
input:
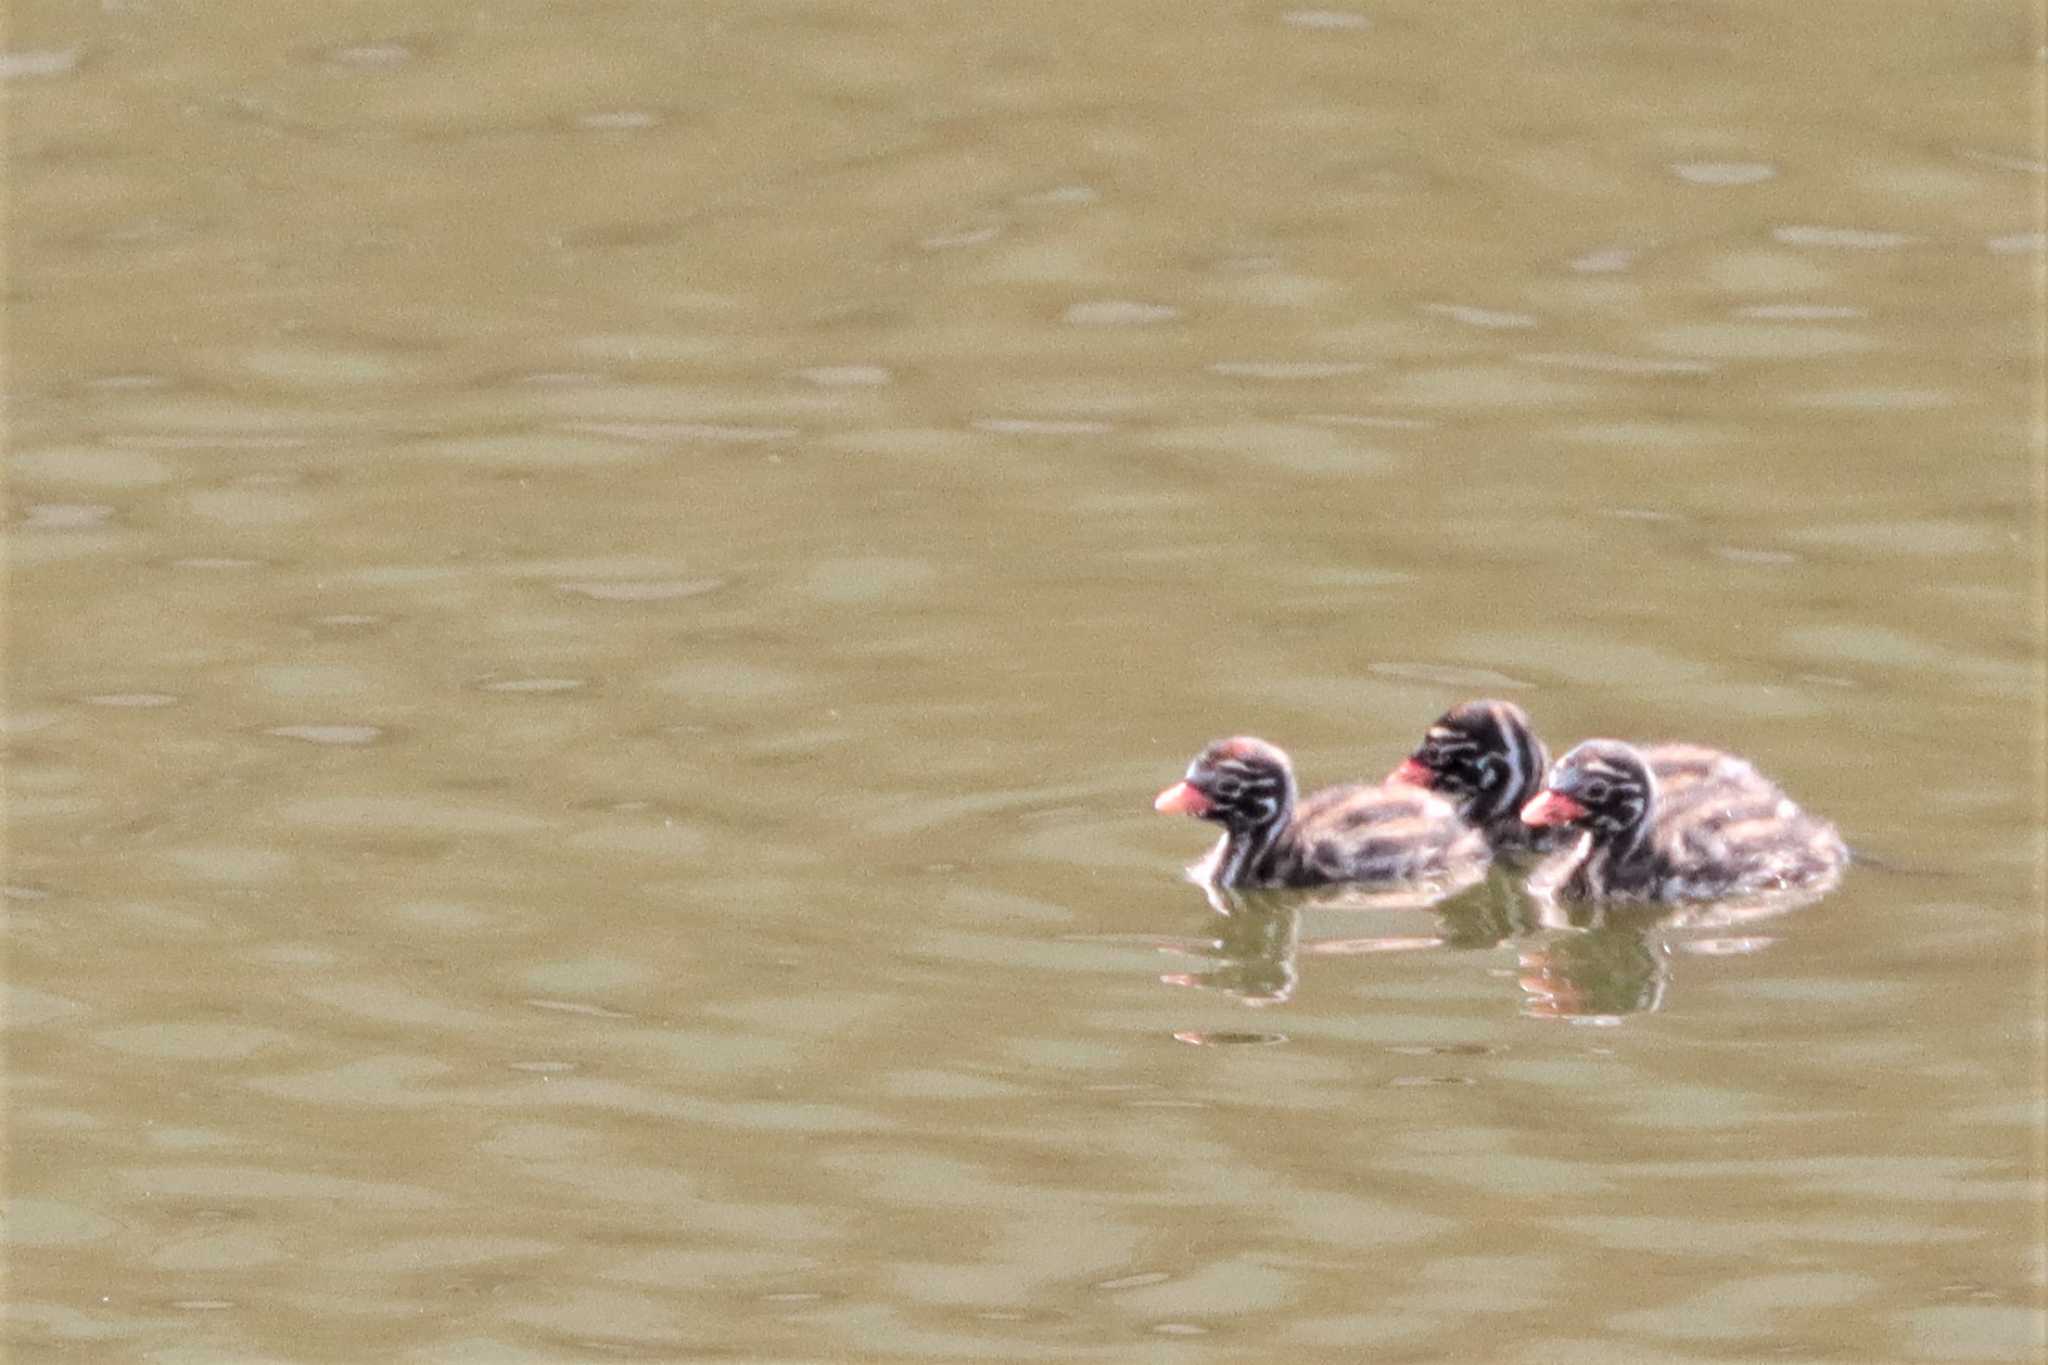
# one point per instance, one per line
(598, 595)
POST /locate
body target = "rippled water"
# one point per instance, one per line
(598, 595)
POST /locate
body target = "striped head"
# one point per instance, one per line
(1602, 785)
(1483, 757)
(1243, 784)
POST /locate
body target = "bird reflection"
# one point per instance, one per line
(1260, 942)
(1257, 948)
(1592, 964)
(1583, 963)
(1599, 972)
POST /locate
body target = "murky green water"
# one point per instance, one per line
(598, 595)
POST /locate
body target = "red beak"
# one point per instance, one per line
(1182, 799)
(1552, 808)
(1412, 773)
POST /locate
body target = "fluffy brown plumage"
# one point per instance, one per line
(1361, 834)
(1720, 829)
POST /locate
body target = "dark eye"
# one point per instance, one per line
(1227, 788)
(1594, 791)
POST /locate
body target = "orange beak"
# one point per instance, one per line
(1182, 799)
(1412, 773)
(1552, 808)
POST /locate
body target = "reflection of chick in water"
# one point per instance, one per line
(1257, 944)
(1611, 970)
(1260, 939)
(1572, 961)
(1620, 961)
